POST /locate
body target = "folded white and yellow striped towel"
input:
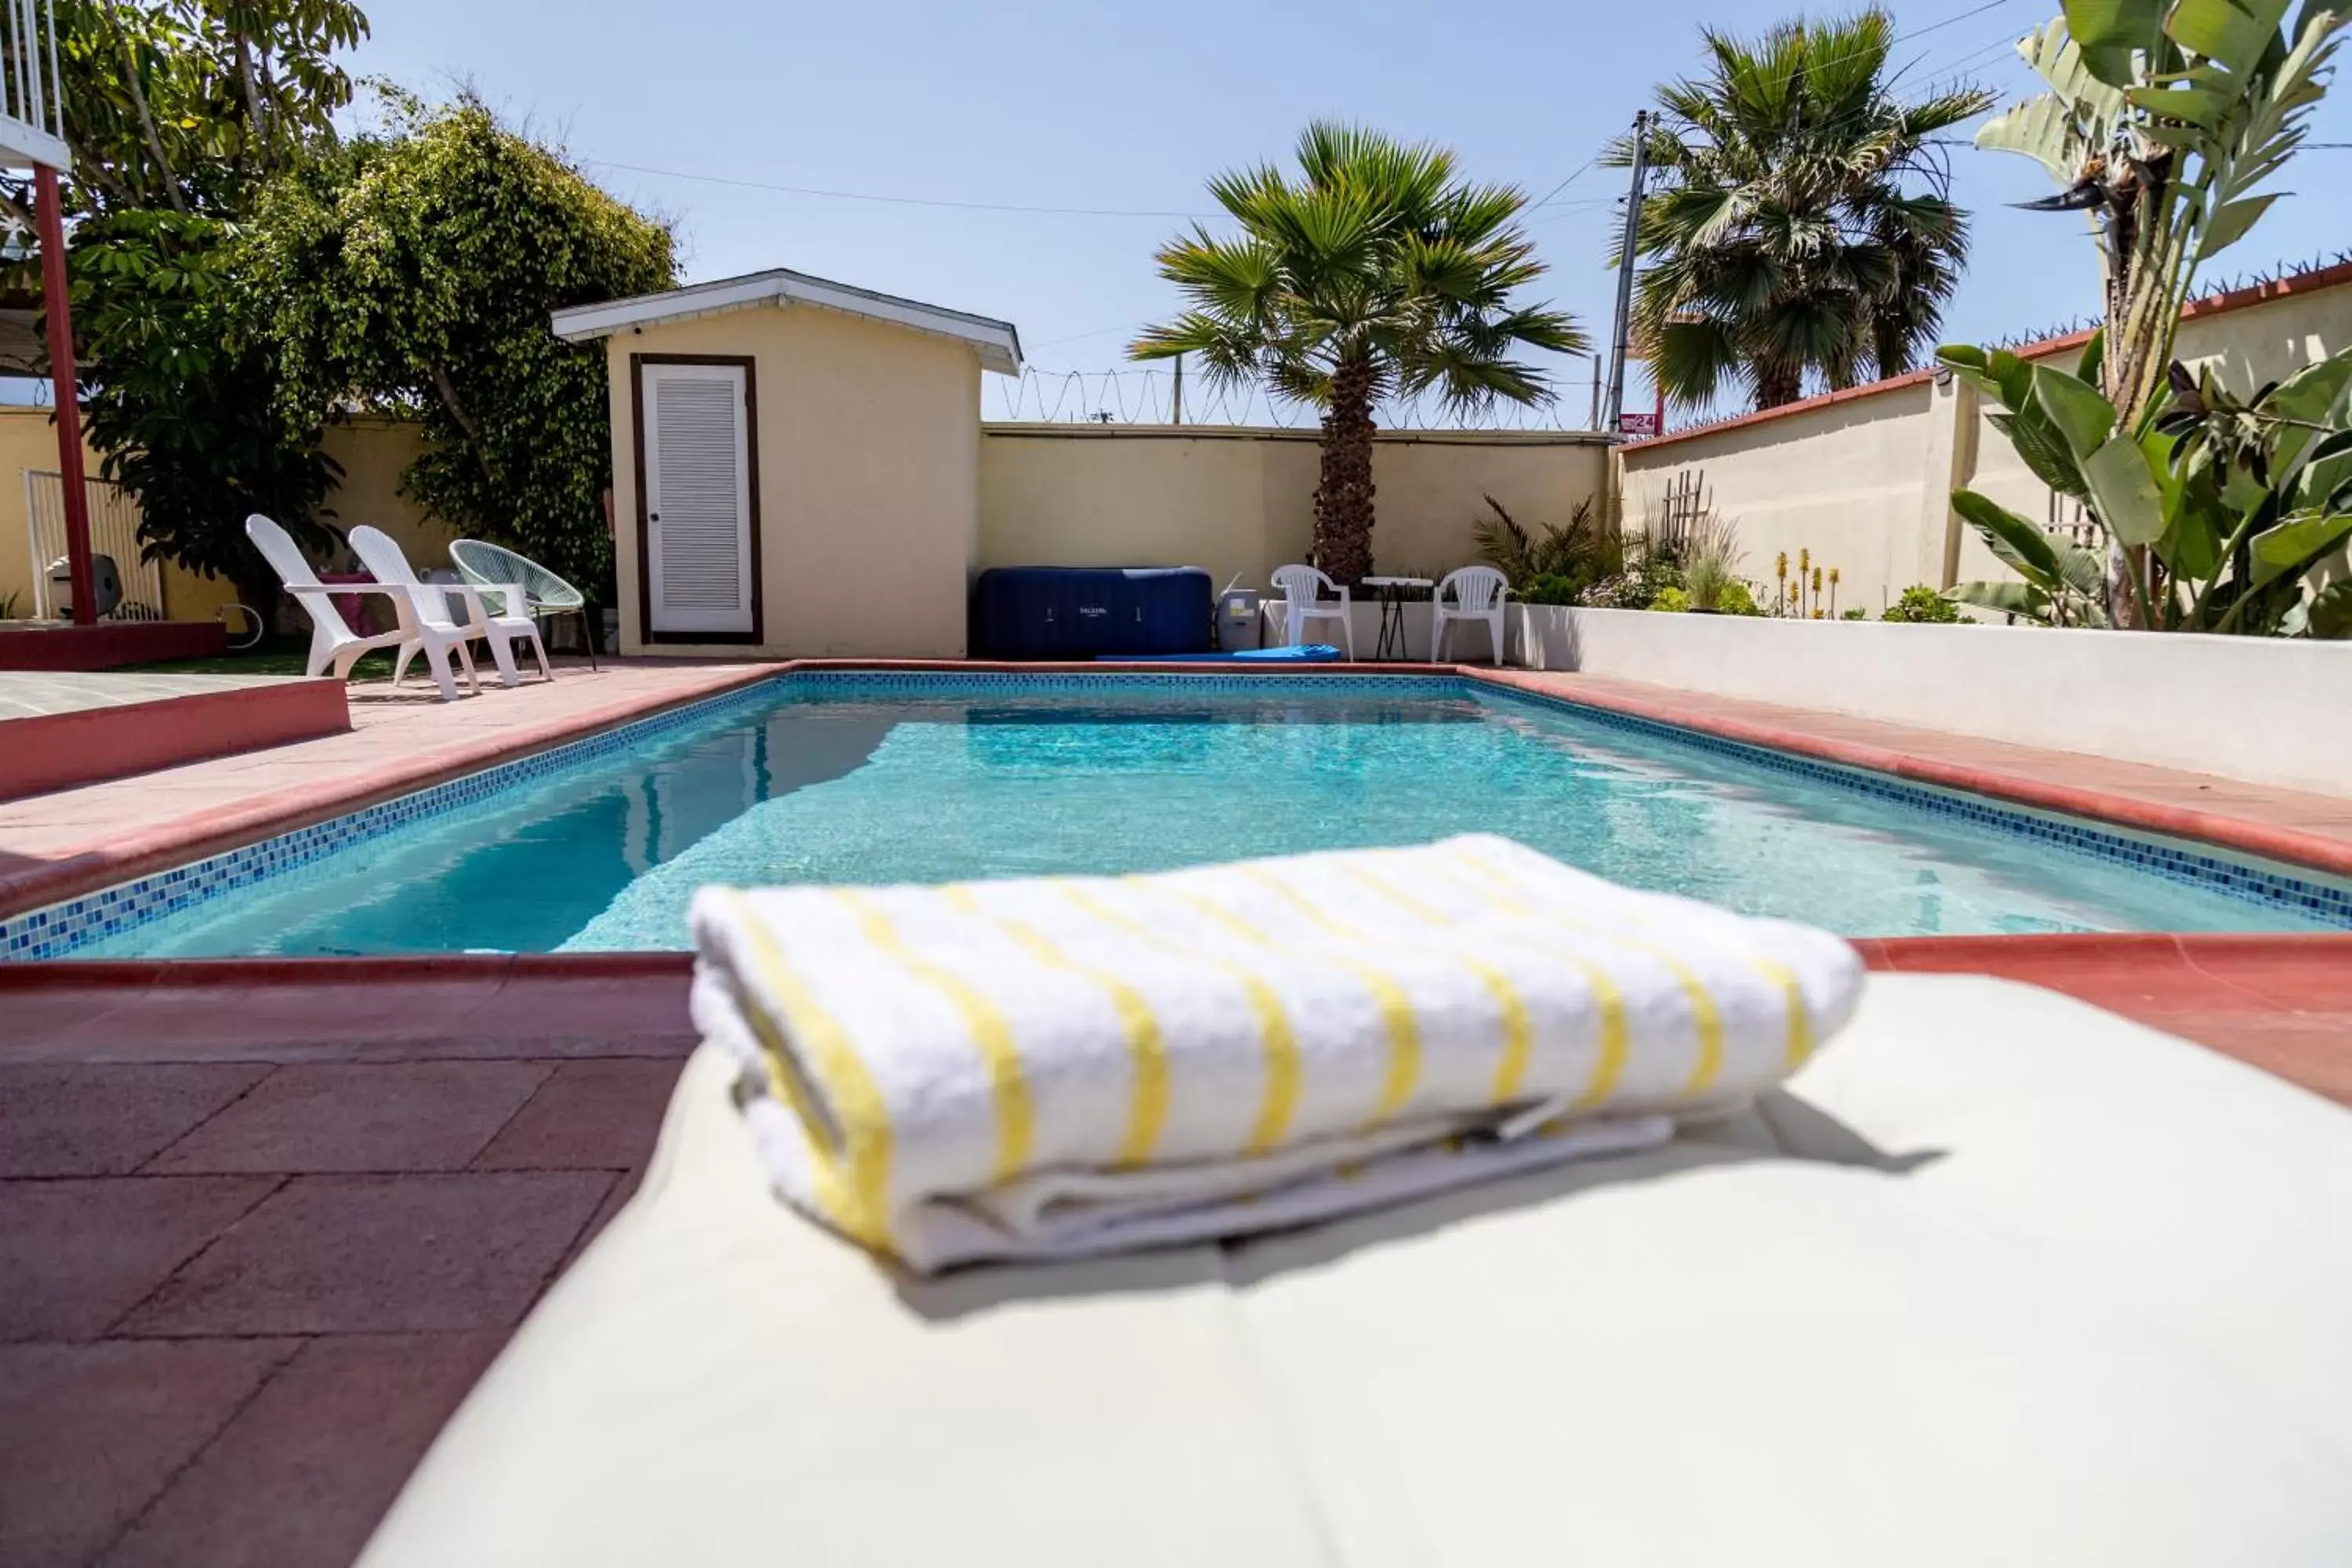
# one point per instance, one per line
(1062, 1065)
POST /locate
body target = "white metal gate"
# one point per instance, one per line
(113, 531)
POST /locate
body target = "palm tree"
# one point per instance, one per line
(1801, 225)
(1379, 274)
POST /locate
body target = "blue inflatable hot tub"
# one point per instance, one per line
(1085, 612)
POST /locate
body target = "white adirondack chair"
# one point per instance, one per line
(1301, 587)
(1478, 593)
(383, 560)
(333, 644)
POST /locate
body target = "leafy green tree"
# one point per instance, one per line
(187, 105)
(177, 111)
(1377, 272)
(1799, 225)
(414, 272)
(183, 393)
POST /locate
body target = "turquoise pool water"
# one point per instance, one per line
(847, 782)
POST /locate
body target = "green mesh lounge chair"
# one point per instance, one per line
(547, 596)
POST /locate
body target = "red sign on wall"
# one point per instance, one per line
(1637, 423)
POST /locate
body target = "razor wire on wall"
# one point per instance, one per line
(1146, 394)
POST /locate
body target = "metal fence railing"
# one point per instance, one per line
(113, 533)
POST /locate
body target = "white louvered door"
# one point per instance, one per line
(697, 498)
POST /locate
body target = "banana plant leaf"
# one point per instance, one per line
(2022, 599)
(2020, 544)
(2108, 31)
(2298, 544)
(2080, 413)
(2124, 492)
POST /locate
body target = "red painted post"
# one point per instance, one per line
(58, 305)
(1659, 383)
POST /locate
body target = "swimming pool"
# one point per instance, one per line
(883, 776)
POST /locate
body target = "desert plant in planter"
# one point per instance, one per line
(1711, 563)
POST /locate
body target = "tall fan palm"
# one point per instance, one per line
(1801, 226)
(1380, 273)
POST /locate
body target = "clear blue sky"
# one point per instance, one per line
(1131, 107)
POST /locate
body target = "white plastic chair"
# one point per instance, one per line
(1478, 593)
(333, 644)
(383, 560)
(1301, 587)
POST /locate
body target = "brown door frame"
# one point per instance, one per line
(646, 632)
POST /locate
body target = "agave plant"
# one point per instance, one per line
(2162, 117)
(2228, 506)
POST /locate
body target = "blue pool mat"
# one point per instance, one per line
(1307, 653)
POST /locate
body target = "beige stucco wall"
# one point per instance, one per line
(1843, 480)
(372, 451)
(1861, 482)
(1241, 502)
(868, 451)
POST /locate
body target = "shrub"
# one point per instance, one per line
(1922, 604)
(1710, 557)
(1671, 599)
(1553, 588)
(1580, 550)
(1854, 615)
(1740, 599)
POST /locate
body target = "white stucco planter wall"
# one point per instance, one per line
(2260, 709)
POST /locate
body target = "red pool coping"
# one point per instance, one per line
(47, 752)
(44, 883)
(2279, 1002)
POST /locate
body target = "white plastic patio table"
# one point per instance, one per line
(2002, 1278)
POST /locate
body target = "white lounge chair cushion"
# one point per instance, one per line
(2002, 1278)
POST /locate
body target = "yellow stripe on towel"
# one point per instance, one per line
(1016, 1115)
(1707, 1018)
(1389, 998)
(1147, 1111)
(861, 1205)
(1607, 1064)
(1278, 1044)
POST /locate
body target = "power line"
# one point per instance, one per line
(898, 201)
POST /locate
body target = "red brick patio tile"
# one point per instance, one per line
(77, 1254)
(381, 1255)
(93, 1432)
(306, 1469)
(408, 1116)
(646, 1008)
(594, 1115)
(77, 1120)
(178, 1015)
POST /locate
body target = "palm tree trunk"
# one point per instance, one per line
(1343, 497)
(1777, 384)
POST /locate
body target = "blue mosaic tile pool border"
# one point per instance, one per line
(2216, 870)
(60, 930)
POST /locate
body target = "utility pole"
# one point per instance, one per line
(1594, 422)
(1176, 398)
(1625, 268)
